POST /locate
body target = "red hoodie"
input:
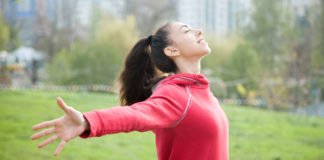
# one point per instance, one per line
(185, 116)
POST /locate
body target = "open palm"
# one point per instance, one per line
(67, 127)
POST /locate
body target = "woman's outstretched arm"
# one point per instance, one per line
(67, 127)
(165, 108)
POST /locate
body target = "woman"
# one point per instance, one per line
(180, 109)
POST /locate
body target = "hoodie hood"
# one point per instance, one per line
(194, 80)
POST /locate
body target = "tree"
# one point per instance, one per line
(245, 66)
(297, 73)
(283, 41)
(265, 32)
(9, 39)
(99, 60)
(4, 34)
(150, 13)
(215, 64)
(317, 56)
(59, 30)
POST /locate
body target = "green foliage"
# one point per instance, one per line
(232, 59)
(60, 68)
(317, 54)
(282, 40)
(4, 34)
(99, 60)
(266, 30)
(120, 33)
(254, 133)
(96, 63)
(9, 39)
(221, 51)
(91, 64)
(216, 62)
(245, 64)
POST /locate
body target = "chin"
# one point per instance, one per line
(204, 53)
(207, 51)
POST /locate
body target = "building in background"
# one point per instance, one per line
(192, 12)
(218, 16)
(22, 16)
(32, 17)
(85, 9)
(36, 18)
(239, 12)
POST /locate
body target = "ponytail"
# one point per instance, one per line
(140, 74)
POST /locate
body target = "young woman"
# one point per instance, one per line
(185, 116)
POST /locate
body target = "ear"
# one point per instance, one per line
(171, 51)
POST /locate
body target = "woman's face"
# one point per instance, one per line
(189, 42)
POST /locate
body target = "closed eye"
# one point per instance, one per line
(187, 31)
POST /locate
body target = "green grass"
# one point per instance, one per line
(254, 133)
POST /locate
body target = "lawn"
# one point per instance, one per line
(254, 133)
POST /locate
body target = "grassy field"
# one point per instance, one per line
(254, 134)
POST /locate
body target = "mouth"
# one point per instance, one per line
(200, 40)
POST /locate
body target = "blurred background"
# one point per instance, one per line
(267, 62)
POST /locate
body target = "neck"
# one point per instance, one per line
(188, 66)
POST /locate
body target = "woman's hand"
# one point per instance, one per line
(71, 125)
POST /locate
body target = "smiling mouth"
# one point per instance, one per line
(200, 40)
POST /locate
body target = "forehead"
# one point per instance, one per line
(177, 26)
(176, 31)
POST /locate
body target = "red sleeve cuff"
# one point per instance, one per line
(91, 117)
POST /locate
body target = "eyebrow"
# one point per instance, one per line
(183, 26)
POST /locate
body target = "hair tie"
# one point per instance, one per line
(149, 39)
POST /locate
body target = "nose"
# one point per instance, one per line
(199, 32)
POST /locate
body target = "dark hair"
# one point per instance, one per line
(141, 67)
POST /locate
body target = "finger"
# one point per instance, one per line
(42, 133)
(62, 105)
(48, 141)
(59, 147)
(45, 124)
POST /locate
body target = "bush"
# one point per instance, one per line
(98, 61)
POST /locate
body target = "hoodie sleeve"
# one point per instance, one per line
(165, 108)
